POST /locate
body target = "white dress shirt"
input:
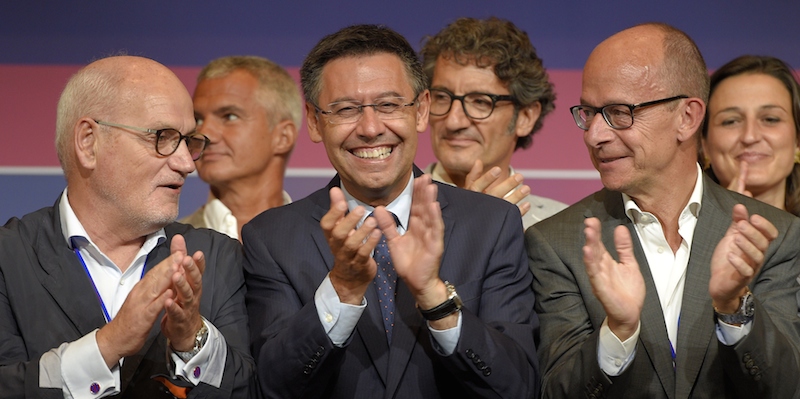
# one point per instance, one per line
(76, 366)
(340, 319)
(669, 276)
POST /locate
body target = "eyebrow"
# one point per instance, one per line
(763, 107)
(381, 95)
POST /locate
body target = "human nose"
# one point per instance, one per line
(751, 133)
(370, 125)
(597, 132)
(456, 119)
(181, 160)
(209, 129)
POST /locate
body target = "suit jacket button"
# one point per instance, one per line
(749, 363)
(487, 371)
(746, 357)
(470, 354)
(757, 377)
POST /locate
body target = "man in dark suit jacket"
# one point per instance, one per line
(702, 301)
(317, 320)
(100, 295)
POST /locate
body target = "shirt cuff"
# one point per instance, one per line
(84, 371)
(731, 335)
(337, 318)
(446, 340)
(614, 355)
(208, 365)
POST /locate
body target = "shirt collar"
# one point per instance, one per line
(633, 211)
(71, 227)
(400, 207)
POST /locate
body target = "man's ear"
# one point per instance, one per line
(84, 142)
(423, 110)
(284, 136)
(312, 121)
(692, 114)
(526, 119)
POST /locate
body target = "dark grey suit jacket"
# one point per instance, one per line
(764, 364)
(287, 257)
(47, 299)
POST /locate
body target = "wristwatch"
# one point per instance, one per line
(745, 313)
(199, 340)
(451, 305)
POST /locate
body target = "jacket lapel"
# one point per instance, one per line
(696, 329)
(63, 276)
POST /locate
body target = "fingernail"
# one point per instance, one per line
(495, 171)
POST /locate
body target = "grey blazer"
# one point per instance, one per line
(764, 364)
(47, 299)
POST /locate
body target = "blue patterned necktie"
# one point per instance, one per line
(385, 282)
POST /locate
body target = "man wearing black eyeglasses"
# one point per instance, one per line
(489, 96)
(102, 294)
(385, 284)
(663, 284)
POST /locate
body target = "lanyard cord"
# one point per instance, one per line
(96, 291)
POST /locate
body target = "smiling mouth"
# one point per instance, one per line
(373, 153)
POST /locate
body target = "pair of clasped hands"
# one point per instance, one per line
(174, 286)
(416, 255)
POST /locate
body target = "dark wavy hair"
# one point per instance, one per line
(354, 41)
(771, 66)
(497, 43)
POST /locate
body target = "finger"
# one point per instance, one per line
(624, 246)
(593, 248)
(742, 180)
(473, 175)
(158, 279)
(200, 262)
(385, 222)
(483, 183)
(503, 188)
(516, 195)
(346, 226)
(184, 292)
(524, 208)
(764, 226)
(364, 239)
(750, 251)
(741, 266)
(337, 210)
(178, 244)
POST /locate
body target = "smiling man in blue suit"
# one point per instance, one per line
(384, 284)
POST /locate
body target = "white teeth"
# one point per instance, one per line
(373, 153)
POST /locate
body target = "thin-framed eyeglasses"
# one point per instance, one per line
(618, 116)
(475, 105)
(168, 140)
(343, 112)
